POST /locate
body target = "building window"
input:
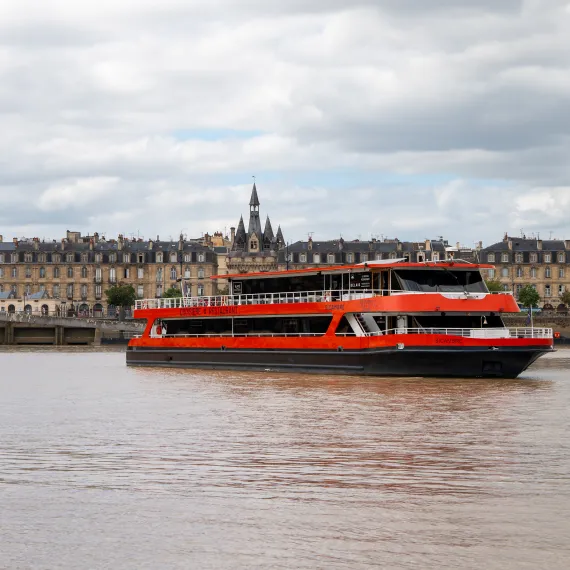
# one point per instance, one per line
(378, 256)
(98, 291)
(316, 258)
(303, 258)
(84, 258)
(56, 258)
(1, 258)
(159, 290)
(364, 257)
(56, 291)
(187, 258)
(84, 292)
(113, 258)
(561, 258)
(491, 258)
(518, 258)
(56, 272)
(173, 257)
(253, 244)
(127, 272)
(28, 289)
(505, 258)
(421, 257)
(350, 257)
(533, 272)
(84, 272)
(98, 275)
(561, 272)
(14, 289)
(561, 290)
(42, 272)
(518, 289)
(126, 257)
(140, 291)
(201, 273)
(28, 257)
(159, 257)
(28, 272)
(159, 274)
(200, 290)
(435, 256)
(69, 258)
(1, 272)
(186, 272)
(201, 258)
(505, 272)
(392, 255)
(173, 273)
(330, 258)
(547, 258)
(14, 272)
(98, 257)
(547, 272)
(70, 291)
(112, 275)
(70, 272)
(140, 272)
(547, 292)
(491, 273)
(533, 257)
(519, 272)
(140, 258)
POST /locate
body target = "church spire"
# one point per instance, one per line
(268, 231)
(241, 238)
(254, 201)
(254, 226)
(279, 237)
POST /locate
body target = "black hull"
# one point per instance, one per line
(425, 362)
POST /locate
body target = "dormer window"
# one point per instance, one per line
(561, 258)
(330, 258)
(112, 258)
(303, 258)
(98, 258)
(505, 258)
(350, 257)
(364, 257)
(56, 258)
(518, 258)
(435, 256)
(187, 258)
(201, 258)
(491, 258)
(159, 257)
(173, 257)
(69, 258)
(14, 258)
(533, 257)
(253, 244)
(28, 257)
(547, 258)
(316, 258)
(126, 257)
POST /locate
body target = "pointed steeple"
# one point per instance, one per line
(254, 201)
(268, 231)
(241, 237)
(279, 237)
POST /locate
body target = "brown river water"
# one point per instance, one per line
(108, 467)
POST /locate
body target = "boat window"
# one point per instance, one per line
(441, 281)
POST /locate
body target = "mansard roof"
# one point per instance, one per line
(524, 244)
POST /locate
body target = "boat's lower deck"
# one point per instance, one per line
(475, 361)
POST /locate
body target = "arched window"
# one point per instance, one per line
(303, 258)
(159, 274)
(316, 258)
(350, 257)
(98, 257)
(159, 257)
(126, 257)
(173, 257)
(186, 272)
(84, 257)
(505, 258)
(42, 272)
(173, 273)
(201, 258)
(200, 273)
(84, 272)
(187, 258)
(70, 271)
(112, 258)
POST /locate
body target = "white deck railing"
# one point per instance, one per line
(489, 333)
(258, 299)
(289, 297)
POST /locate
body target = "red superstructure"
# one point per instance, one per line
(376, 318)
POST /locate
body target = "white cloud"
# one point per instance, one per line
(365, 117)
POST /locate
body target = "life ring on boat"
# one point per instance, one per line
(556, 335)
(159, 330)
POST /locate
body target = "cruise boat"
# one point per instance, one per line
(384, 318)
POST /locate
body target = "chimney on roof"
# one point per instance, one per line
(181, 243)
(91, 244)
(506, 238)
(62, 244)
(480, 246)
(120, 242)
(510, 243)
(36, 243)
(150, 244)
(232, 234)
(398, 245)
(96, 236)
(539, 244)
(310, 243)
(428, 245)
(566, 243)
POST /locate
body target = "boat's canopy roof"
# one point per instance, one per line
(457, 265)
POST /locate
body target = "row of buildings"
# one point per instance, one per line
(75, 272)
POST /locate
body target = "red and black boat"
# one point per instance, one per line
(379, 318)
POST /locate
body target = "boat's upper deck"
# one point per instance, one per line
(452, 280)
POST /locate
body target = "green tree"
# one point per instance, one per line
(494, 285)
(121, 296)
(529, 296)
(172, 293)
(565, 298)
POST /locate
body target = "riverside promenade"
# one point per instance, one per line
(25, 329)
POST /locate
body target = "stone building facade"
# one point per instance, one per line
(78, 270)
(254, 249)
(544, 264)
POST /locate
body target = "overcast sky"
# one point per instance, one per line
(399, 118)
